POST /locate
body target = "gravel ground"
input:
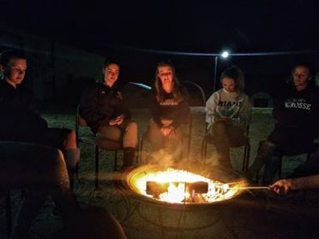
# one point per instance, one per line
(252, 215)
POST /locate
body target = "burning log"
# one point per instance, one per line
(179, 186)
(198, 187)
(155, 188)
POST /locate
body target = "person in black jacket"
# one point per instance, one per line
(169, 108)
(104, 108)
(296, 115)
(20, 120)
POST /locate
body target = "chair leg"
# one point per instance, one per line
(8, 213)
(246, 157)
(97, 159)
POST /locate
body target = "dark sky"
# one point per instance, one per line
(206, 26)
(200, 26)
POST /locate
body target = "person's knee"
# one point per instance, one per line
(219, 128)
(70, 141)
(132, 126)
(52, 160)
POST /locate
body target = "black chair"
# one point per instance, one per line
(309, 153)
(209, 139)
(87, 137)
(186, 138)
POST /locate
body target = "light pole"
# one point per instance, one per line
(224, 55)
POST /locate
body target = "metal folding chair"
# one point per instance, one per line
(281, 155)
(97, 141)
(209, 139)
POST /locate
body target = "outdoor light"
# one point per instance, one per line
(225, 54)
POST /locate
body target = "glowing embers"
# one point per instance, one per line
(179, 186)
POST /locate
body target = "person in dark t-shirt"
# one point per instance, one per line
(20, 120)
(169, 108)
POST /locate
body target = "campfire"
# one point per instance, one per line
(171, 185)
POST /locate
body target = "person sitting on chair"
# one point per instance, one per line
(296, 115)
(228, 114)
(169, 109)
(22, 166)
(106, 112)
(20, 120)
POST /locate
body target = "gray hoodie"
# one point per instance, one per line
(235, 106)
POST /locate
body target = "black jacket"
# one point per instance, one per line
(296, 115)
(20, 120)
(297, 109)
(100, 104)
(176, 111)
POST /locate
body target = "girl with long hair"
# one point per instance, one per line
(169, 108)
(228, 113)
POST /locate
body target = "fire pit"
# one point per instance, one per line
(167, 186)
(165, 195)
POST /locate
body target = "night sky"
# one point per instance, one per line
(201, 26)
(187, 26)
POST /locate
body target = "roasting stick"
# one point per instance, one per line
(253, 188)
(248, 187)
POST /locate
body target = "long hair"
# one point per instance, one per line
(237, 75)
(177, 96)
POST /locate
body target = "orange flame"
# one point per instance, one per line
(176, 191)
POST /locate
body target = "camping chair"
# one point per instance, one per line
(186, 138)
(97, 141)
(209, 139)
(281, 155)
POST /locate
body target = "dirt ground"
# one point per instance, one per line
(254, 214)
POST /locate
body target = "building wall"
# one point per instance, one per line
(54, 70)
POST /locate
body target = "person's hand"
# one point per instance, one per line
(112, 122)
(223, 119)
(117, 121)
(282, 186)
(166, 130)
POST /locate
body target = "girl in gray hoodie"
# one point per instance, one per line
(228, 114)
